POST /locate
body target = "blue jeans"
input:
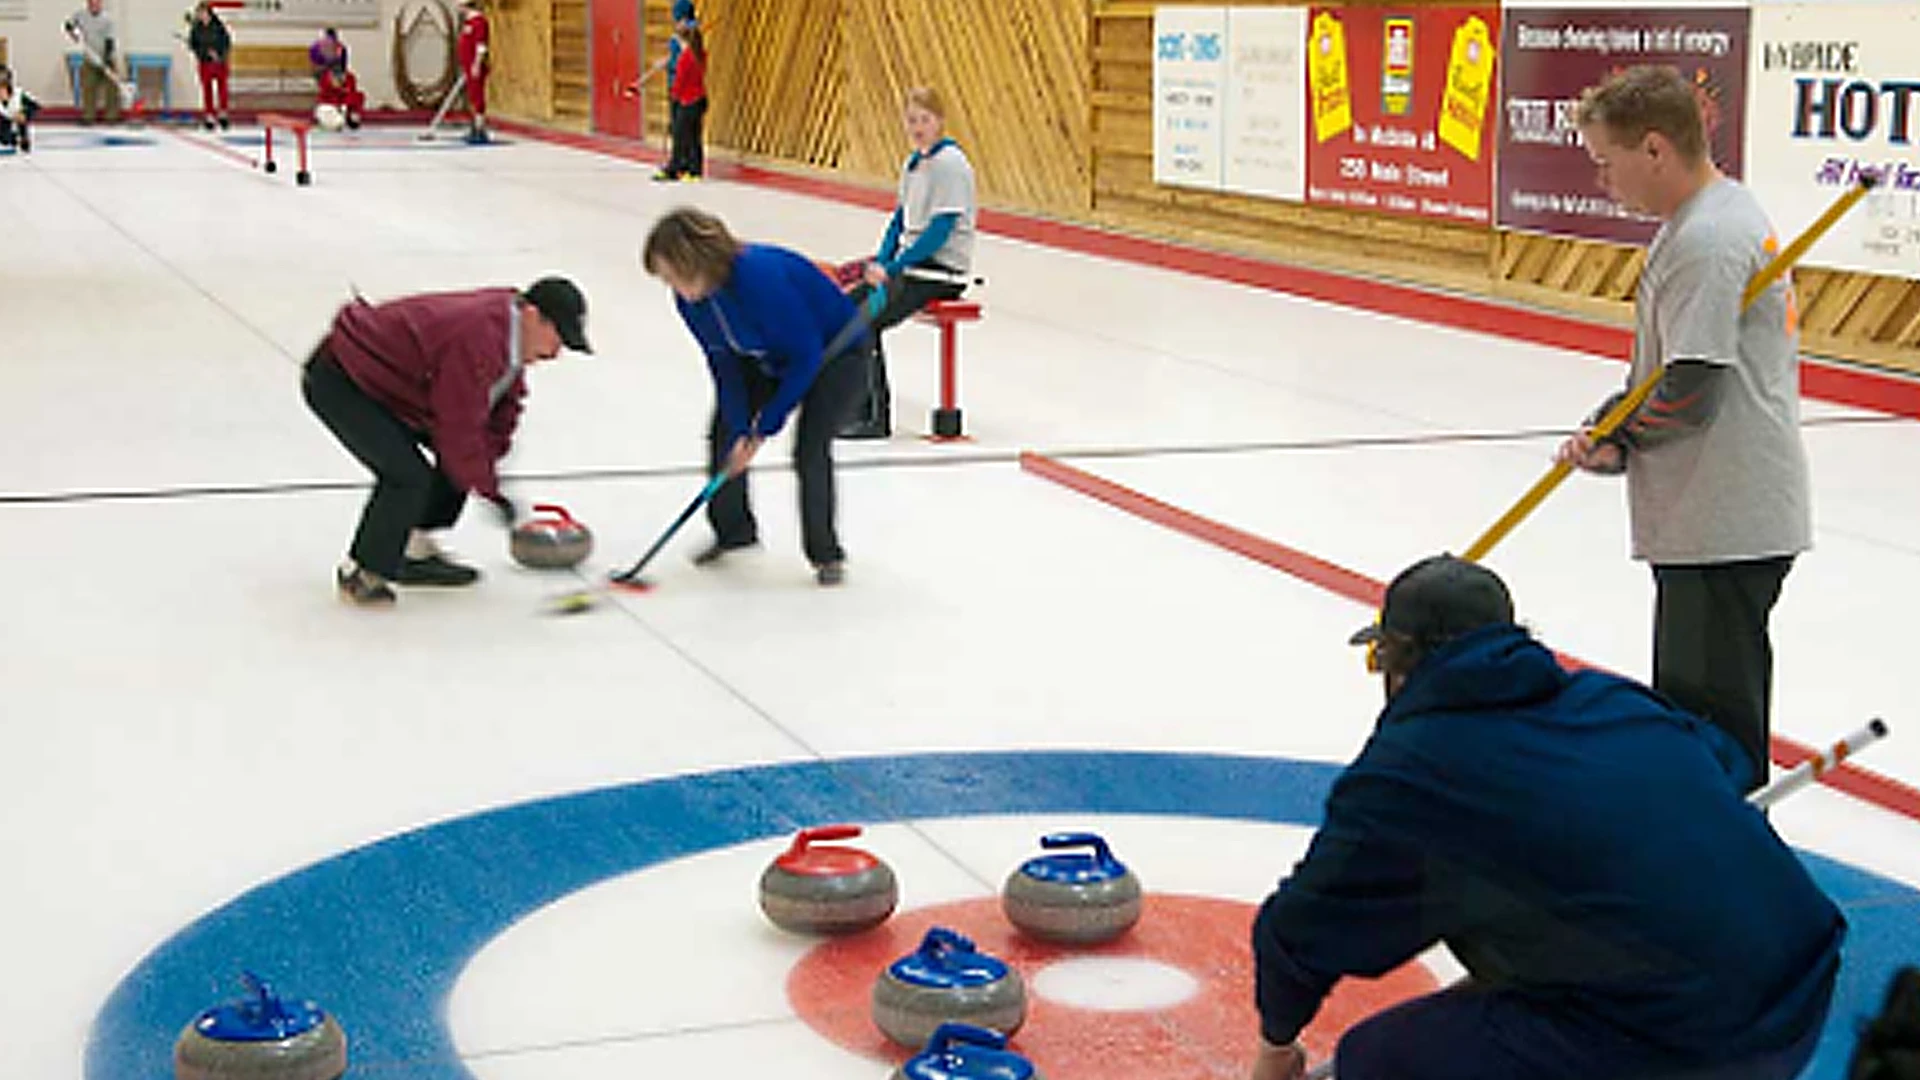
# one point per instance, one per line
(1470, 1033)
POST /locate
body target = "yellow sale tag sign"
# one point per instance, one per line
(1327, 71)
(1463, 106)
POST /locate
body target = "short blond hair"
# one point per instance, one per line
(1644, 99)
(926, 97)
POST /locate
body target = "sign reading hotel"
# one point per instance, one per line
(1547, 180)
(1189, 79)
(1401, 110)
(1834, 95)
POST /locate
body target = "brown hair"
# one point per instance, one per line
(926, 97)
(694, 243)
(694, 39)
(1642, 99)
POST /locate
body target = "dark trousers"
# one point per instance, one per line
(12, 134)
(409, 491)
(686, 125)
(905, 295)
(1711, 652)
(1469, 1033)
(817, 418)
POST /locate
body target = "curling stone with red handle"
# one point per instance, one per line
(827, 889)
(555, 541)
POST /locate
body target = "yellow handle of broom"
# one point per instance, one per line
(1626, 407)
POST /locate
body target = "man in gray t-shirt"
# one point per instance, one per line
(1717, 482)
(92, 29)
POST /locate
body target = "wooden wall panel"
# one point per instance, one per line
(521, 86)
(1014, 74)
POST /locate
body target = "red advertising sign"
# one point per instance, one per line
(1401, 110)
(1551, 55)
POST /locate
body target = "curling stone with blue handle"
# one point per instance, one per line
(965, 1052)
(946, 980)
(1077, 898)
(827, 890)
(261, 1038)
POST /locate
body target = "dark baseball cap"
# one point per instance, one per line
(564, 306)
(1440, 598)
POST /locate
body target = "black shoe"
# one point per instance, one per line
(867, 429)
(207, 122)
(435, 570)
(363, 588)
(718, 550)
(224, 124)
(830, 574)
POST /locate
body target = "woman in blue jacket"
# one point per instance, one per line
(766, 318)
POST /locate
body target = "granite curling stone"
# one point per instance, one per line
(965, 1052)
(553, 542)
(261, 1038)
(1073, 898)
(946, 980)
(827, 890)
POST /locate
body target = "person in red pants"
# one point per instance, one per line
(335, 84)
(474, 63)
(211, 46)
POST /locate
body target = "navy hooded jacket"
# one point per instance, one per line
(777, 311)
(1575, 838)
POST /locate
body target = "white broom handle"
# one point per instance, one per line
(1803, 774)
(1819, 764)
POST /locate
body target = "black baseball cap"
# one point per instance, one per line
(1440, 598)
(564, 306)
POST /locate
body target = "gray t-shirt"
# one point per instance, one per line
(1737, 488)
(95, 31)
(941, 183)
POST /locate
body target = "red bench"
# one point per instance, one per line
(298, 126)
(948, 315)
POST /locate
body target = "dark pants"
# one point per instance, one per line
(816, 420)
(409, 491)
(1468, 1033)
(685, 126)
(1711, 653)
(905, 295)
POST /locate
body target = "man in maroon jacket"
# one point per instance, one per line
(439, 372)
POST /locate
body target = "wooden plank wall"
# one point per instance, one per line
(1862, 317)
(522, 86)
(820, 82)
(1014, 75)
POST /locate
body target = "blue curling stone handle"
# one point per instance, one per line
(1076, 867)
(966, 1052)
(946, 959)
(263, 1017)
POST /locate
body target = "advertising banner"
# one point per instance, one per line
(1834, 93)
(1189, 79)
(1265, 101)
(1547, 181)
(1401, 111)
